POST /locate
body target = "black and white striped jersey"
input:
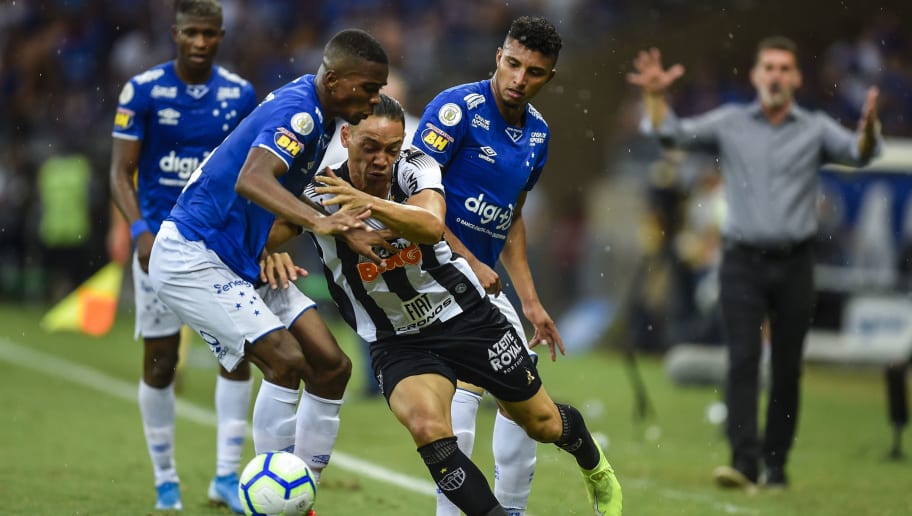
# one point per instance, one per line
(420, 286)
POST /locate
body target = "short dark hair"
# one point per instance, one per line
(388, 107)
(536, 33)
(777, 43)
(355, 43)
(199, 8)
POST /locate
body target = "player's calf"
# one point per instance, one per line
(459, 479)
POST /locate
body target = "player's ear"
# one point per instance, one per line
(345, 135)
(551, 75)
(174, 32)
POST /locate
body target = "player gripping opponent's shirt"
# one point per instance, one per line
(288, 123)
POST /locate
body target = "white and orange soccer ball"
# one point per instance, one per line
(277, 484)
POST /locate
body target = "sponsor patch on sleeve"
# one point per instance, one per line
(123, 119)
(302, 123)
(435, 139)
(126, 94)
(450, 114)
(287, 142)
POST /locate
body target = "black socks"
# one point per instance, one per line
(459, 479)
(575, 439)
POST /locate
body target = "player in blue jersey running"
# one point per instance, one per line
(168, 119)
(427, 318)
(492, 145)
(205, 261)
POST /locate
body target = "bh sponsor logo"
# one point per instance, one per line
(435, 139)
(490, 213)
(287, 142)
(123, 119)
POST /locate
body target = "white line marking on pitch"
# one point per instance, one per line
(96, 380)
(93, 379)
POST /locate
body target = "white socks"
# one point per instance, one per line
(232, 402)
(157, 409)
(317, 429)
(463, 411)
(514, 465)
(274, 418)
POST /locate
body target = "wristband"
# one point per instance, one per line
(137, 228)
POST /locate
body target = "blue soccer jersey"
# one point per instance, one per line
(178, 124)
(486, 162)
(290, 124)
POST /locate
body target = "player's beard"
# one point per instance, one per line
(775, 95)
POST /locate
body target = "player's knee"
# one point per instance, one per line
(426, 429)
(331, 375)
(287, 372)
(545, 427)
(160, 369)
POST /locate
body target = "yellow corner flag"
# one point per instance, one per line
(90, 308)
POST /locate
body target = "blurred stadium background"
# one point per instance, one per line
(608, 198)
(619, 231)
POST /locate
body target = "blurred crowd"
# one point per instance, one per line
(62, 63)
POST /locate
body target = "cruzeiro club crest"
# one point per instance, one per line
(197, 90)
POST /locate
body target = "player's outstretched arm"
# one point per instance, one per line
(258, 182)
(487, 276)
(653, 80)
(869, 125)
(278, 270)
(515, 261)
(420, 220)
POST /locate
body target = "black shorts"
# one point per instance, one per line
(479, 347)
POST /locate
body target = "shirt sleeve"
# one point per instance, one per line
(132, 114)
(442, 128)
(692, 133)
(419, 172)
(842, 146)
(288, 132)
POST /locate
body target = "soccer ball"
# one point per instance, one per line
(276, 484)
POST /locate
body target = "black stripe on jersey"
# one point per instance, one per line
(397, 194)
(457, 284)
(349, 261)
(398, 283)
(419, 158)
(343, 303)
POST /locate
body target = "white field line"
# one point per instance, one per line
(85, 376)
(51, 365)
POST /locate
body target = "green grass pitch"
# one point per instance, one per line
(72, 439)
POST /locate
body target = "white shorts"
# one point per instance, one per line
(153, 318)
(208, 296)
(502, 302)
